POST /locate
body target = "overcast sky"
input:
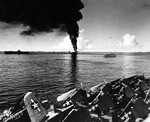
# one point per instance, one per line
(107, 25)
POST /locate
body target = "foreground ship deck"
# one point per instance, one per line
(122, 100)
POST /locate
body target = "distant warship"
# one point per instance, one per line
(16, 52)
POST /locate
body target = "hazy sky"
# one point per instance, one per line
(107, 25)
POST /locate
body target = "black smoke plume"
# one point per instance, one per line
(43, 16)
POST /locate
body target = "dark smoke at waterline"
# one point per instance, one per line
(43, 16)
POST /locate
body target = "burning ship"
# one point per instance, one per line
(122, 100)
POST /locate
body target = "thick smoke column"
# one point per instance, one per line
(43, 16)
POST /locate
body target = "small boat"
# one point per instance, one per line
(16, 52)
(109, 55)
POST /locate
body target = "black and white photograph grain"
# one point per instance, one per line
(74, 60)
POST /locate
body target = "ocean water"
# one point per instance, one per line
(50, 75)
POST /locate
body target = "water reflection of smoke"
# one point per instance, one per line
(74, 67)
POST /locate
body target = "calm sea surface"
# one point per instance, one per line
(49, 75)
